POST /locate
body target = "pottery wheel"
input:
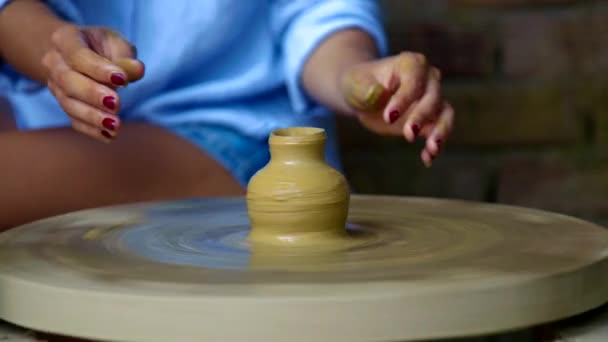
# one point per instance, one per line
(184, 271)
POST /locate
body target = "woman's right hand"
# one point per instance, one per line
(84, 68)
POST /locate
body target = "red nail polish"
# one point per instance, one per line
(109, 102)
(415, 129)
(438, 142)
(106, 134)
(109, 124)
(393, 116)
(118, 79)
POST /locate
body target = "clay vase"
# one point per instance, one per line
(297, 198)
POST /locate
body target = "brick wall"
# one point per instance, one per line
(529, 80)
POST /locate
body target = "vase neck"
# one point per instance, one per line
(298, 144)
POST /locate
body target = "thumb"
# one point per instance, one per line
(363, 92)
(112, 46)
(125, 56)
(135, 69)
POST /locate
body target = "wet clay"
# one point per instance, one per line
(297, 198)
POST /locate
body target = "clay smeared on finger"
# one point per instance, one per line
(364, 94)
(132, 67)
(411, 62)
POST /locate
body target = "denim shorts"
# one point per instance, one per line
(242, 156)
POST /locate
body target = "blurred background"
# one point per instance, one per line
(529, 81)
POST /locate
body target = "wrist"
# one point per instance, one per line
(343, 83)
(26, 28)
(327, 71)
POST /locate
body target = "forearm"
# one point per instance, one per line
(322, 74)
(26, 27)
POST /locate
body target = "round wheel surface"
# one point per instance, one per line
(414, 269)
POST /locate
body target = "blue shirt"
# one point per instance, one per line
(229, 62)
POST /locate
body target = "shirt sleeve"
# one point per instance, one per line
(3, 3)
(13, 81)
(301, 25)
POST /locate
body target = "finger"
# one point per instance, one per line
(427, 109)
(55, 65)
(363, 92)
(427, 158)
(78, 125)
(374, 123)
(124, 54)
(91, 131)
(441, 131)
(82, 88)
(54, 90)
(80, 111)
(114, 45)
(76, 53)
(135, 69)
(411, 69)
(49, 62)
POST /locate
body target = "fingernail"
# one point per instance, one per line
(106, 134)
(415, 129)
(109, 102)
(109, 124)
(118, 79)
(438, 142)
(393, 116)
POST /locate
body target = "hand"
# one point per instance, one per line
(401, 95)
(84, 67)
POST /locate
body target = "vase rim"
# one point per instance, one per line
(297, 135)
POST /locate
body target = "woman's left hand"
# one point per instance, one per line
(401, 95)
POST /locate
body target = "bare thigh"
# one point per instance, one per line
(7, 122)
(49, 172)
